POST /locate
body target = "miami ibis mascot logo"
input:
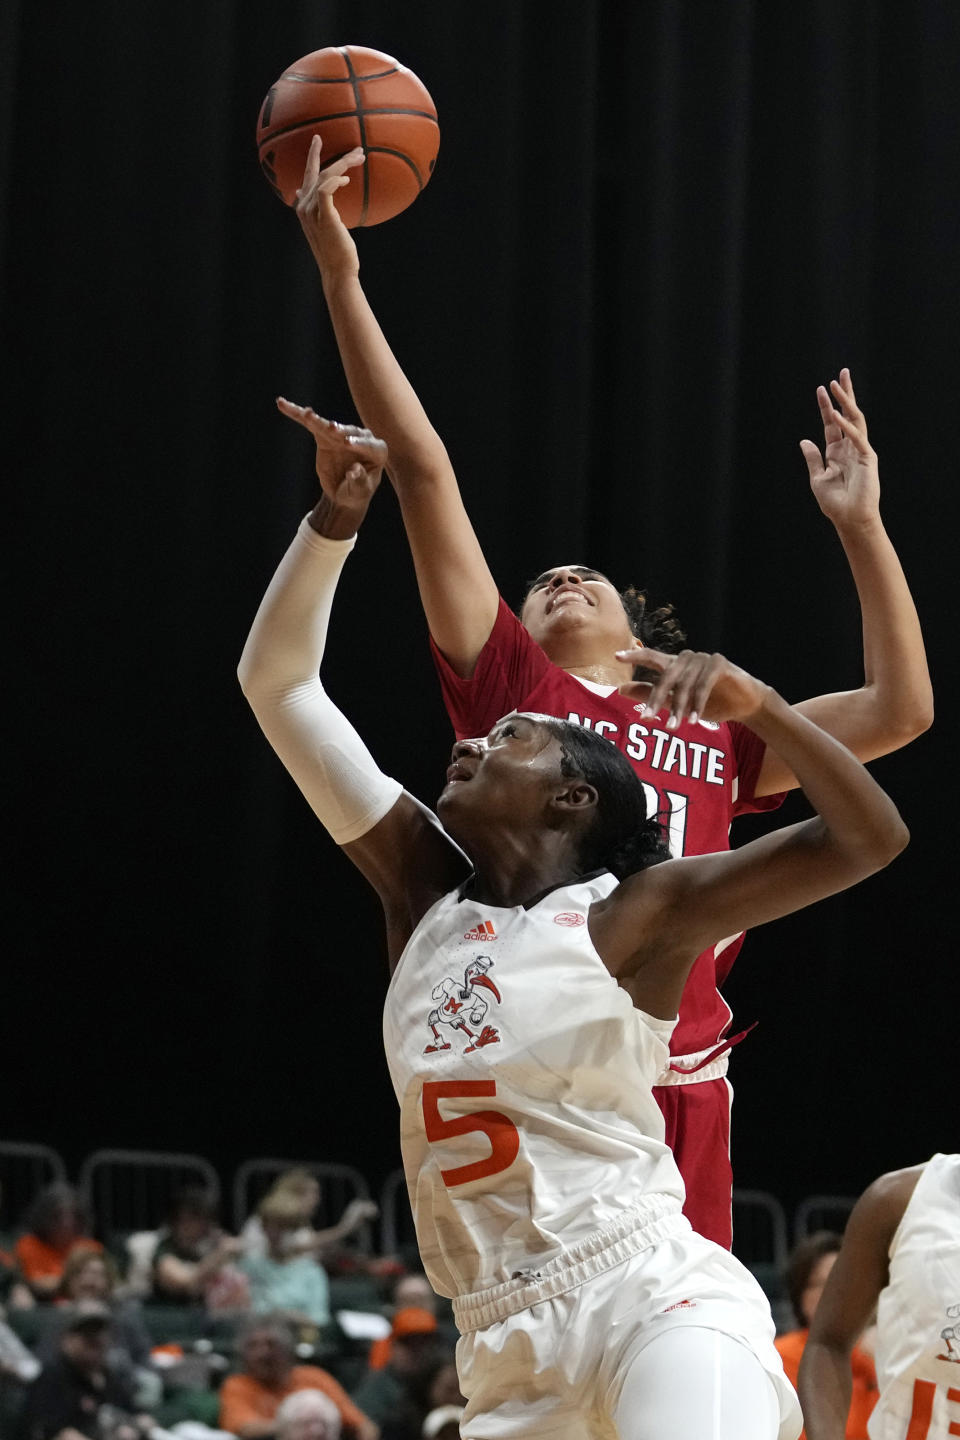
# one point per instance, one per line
(950, 1336)
(461, 1007)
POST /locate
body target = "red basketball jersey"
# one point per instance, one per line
(697, 777)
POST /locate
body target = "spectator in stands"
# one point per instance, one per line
(78, 1390)
(308, 1415)
(397, 1397)
(55, 1225)
(409, 1291)
(299, 1191)
(89, 1276)
(287, 1278)
(195, 1261)
(250, 1399)
(807, 1270)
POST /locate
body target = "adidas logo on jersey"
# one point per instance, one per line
(484, 931)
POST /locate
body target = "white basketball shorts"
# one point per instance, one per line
(672, 1342)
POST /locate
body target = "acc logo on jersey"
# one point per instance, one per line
(569, 917)
(461, 1008)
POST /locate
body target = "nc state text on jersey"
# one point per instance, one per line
(661, 750)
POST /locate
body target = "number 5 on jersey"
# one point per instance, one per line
(503, 1135)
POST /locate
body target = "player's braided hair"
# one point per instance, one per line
(623, 837)
(657, 628)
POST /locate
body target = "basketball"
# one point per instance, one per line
(350, 95)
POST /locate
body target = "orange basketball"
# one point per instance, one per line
(350, 95)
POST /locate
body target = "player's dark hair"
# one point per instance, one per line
(659, 628)
(800, 1266)
(623, 838)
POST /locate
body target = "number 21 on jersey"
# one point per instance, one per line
(502, 1134)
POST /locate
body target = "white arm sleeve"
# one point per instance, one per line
(278, 669)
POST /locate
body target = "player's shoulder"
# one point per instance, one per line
(882, 1205)
(894, 1185)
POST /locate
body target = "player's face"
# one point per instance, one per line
(505, 775)
(576, 598)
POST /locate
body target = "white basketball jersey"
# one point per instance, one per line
(524, 1077)
(918, 1315)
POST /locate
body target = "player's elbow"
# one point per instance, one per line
(252, 673)
(247, 676)
(419, 465)
(880, 845)
(857, 855)
(921, 714)
(907, 720)
(894, 838)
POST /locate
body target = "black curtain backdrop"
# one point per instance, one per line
(653, 228)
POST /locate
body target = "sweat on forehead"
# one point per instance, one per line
(533, 716)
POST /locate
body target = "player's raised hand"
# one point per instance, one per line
(696, 686)
(350, 460)
(328, 237)
(845, 478)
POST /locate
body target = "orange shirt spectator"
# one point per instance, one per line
(249, 1400)
(408, 1290)
(39, 1260)
(865, 1392)
(55, 1225)
(244, 1400)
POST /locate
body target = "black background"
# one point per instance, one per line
(653, 229)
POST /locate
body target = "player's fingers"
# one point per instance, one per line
(689, 671)
(635, 655)
(831, 430)
(300, 413)
(371, 450)
(811, 453)
(845, 398)
(662, 688)
(850, 407)
(706, 679)
(312, 168)
(337, 169)
(856, 432)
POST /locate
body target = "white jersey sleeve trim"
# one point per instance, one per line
(278, 672)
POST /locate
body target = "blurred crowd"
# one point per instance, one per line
(285, 1329)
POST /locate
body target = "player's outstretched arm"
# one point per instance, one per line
(895, 703)
(458, 592)
(396, 842)
(682, 906)
(848, 1302)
